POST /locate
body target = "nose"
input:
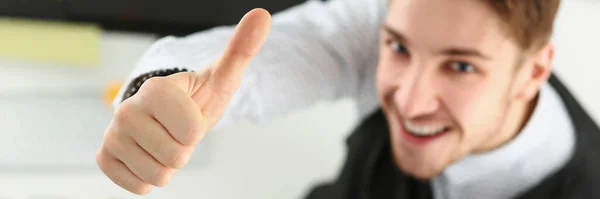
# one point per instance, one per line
(416, 96)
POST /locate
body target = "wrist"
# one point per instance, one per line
(135, 85)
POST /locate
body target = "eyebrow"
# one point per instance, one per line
(465, 52)
(396, 35)
(455, 51)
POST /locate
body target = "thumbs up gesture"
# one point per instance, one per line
(154, 132)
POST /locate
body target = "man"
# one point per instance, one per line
(466, 110)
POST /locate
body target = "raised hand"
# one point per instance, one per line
(154, 132)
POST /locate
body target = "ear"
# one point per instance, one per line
(538, 71)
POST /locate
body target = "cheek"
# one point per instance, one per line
(476, 109)
(385, 82)
(388, 75)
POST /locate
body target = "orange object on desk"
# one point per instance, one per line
(111, 91)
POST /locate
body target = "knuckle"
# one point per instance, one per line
(113, 145)
(174, 161)
(142, 189)
(242, 54)
(101, 161)
(104, 163)
(192, 137)
(110, 143)
(124, 111)
(226, 80)
(162, 177)
(215, 93)
(154, 85)
(226, 87)
(179, 159)
(221, 94)
(153, 92)
(227, 92)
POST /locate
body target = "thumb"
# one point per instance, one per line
(247, 39)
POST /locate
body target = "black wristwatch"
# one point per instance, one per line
(135, 85)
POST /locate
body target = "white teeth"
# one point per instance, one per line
(422, 130)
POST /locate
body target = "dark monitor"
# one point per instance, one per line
(164, 17)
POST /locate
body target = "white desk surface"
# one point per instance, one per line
(246, 161)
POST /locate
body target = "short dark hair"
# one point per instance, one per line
(530, 22)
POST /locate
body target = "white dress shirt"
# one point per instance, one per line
(315, 51)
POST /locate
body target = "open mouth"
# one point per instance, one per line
(422, 134)
(424, 130)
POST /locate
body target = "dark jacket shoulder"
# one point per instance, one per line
(580, 177)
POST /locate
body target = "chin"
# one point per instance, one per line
(422, 158)
(419, 171)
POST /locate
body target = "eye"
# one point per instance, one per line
(462, 67)
(398, 47)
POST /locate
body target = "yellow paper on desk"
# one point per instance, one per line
(74, 44)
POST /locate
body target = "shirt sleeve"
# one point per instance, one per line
(315, 51)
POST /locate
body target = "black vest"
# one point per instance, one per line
(369, 171)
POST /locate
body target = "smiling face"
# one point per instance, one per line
(449, 77)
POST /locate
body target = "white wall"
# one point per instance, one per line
(282, 159)
(577, 38)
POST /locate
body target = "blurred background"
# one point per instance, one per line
(60, 58)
